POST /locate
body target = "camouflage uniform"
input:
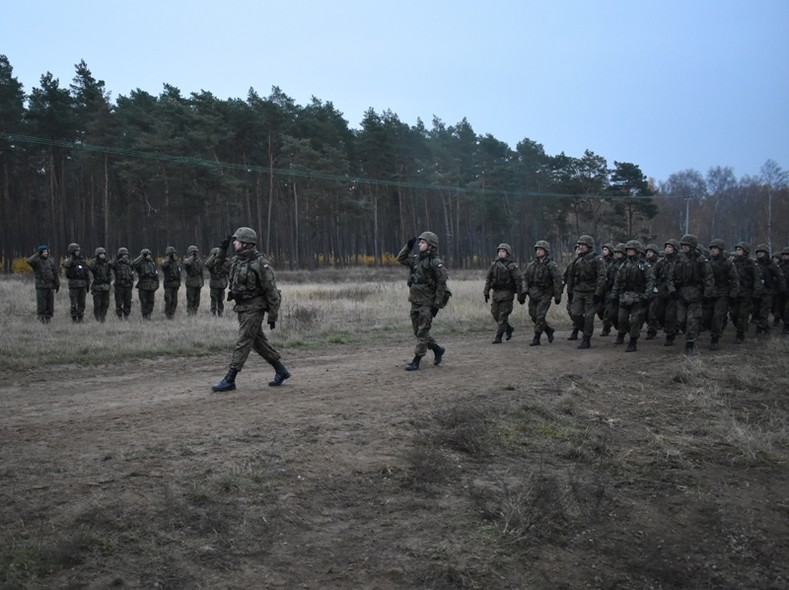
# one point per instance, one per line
(253, 287)
(194, 279)
(633, 289)
(427, 289)
(750, 287)
(147, 281)
(542, 282)
(611, 305)
(124, 283)
(586, 286)
(689, 281)
(78, 275)
(608, 259)
(171, 275)
(218, 269)
(772, 283)
(100, 288)
(726, 286)
(47, 282)
(505, 281)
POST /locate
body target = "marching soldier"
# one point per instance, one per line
(633, 290)
(218, 269)
(542, 281)
(45, 270)
(505, 281)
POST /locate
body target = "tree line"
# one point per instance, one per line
(152, 171)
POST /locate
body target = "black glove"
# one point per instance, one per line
(521, 299)
(230, 296)
(225, 244)
(557, 300)
(487, 297)
(434, 311)
(411, 243)
(272, 324)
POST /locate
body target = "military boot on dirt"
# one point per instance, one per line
(586, 342)
(631, 345)
(573, 334)
(439, 352)
(549, 332)
(536, 340)
(689, 349)
(651, 334)
(669, 340)
(414, 364)
(714, 343)
(228, 382)
(606, 331)
(281, 374)
(620, 338)
(509, 331)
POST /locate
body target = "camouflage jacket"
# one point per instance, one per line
(586, 274)
(124, 274)
(102, 275)
(634, 282)
(147, 274)
(253, 286)
(77, 273)
(542, 279)
(503, 279)
(45, 270)
(691, 277)
(218, 269)
(749, 275)
(772, 277)
(662, 273)
(194, 271)
(726, 283)
(171, 272)
(428, 279)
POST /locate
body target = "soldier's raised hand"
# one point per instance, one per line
(411, 243)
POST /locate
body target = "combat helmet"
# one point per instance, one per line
(652, 247)
(674, 243)
(73, 247)
(634, 245)
(246, 235)
(504, 246)
(145, 251)
(122, 251)
(610, 247)
(430, 238)
(762, 248)
(587, 240)
(191, 249)
(542, 244)
(719, 244)
(745, 247)
(620, 247)
(689, 240)
(100, 250)
(169, 250)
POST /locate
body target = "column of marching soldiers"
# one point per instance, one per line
(682, 289)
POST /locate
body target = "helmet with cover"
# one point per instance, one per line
(145, 252)
(586, 240)
(634, 245)
(762, 248)
(719, 244)
(169, 250)
(192, 250)
(100, 250)
(689, 240)
(620, 247)
(73, 247)
(122, 251)
(542, 244)
(652, 247)
(246, 235)
(430, 238)
(745, 247)
(504, 246)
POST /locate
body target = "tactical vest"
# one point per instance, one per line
(502, 276)
(124, 275)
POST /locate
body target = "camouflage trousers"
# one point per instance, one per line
(761, 311)
(217, 301)
(714, 314)
(630, 318)
(77, 296)
(45, 304)
(251, 337)
(501, 310)
(611, 313)
(192, 299)
(740, 313)
(689, 318)
(147, 299)
(582, 311)
(170, 301)
(538, 309)
(101, 304)
(422, 321)
(123, 301)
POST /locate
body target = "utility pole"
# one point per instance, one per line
(687, 215)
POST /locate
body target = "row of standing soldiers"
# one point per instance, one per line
(96, 276)
(681, 290)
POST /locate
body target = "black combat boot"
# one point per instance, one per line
(414, 364)
(439, 352)
(689, 349)
(573, 334)
(651, 334)
(620, 338)
(631, 345)
(536, 340)
(281, 374)
(549, 332)
(228, 382)
(714, 343)
(497, 339)
(510, 330)
(606, 331)
(586, 342)
(669, 340)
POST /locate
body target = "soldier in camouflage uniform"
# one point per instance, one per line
(253, 287)
(147, 281)
(610, 305)
(542, 281)
(726, 286)
(586, 287)
(427, 293)
(218, 270)
(772, 284)
(194, 279)
(45, 270)
(124, 283)
(652, 256)
(608, 259)
(663, 312)
(690, 280)
(750, 288)
(504, 280)
(171, 275)
(78, 275)
(100, 288)
(633, 290)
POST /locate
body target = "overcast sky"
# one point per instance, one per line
(665, 84)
